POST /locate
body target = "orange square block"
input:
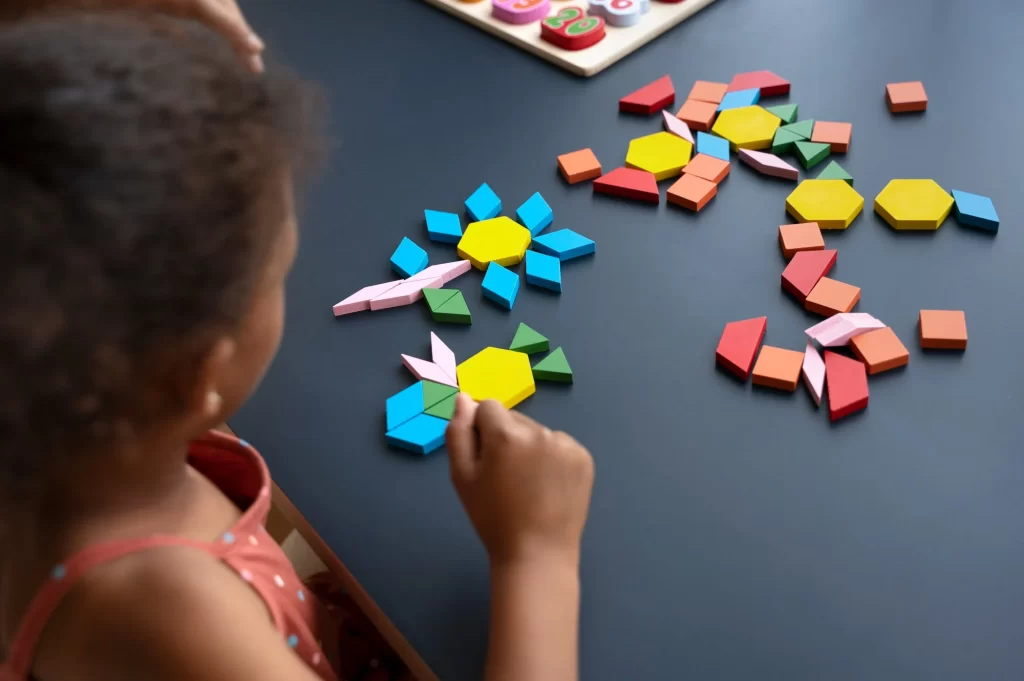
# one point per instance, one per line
(778, 368)
(707, 167)
(903, 97)
(943, 329)
(706, 91)
(805, 236)
(579, 166)
(836, 134)
(880, 350)
(697, 114)
(692, 192)
(829, 297)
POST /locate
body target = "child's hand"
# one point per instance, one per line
(526, 489)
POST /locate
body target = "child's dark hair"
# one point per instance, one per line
(141, 189)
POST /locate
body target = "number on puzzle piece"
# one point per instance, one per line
(520, 11)
(620, 12)
(572, 29)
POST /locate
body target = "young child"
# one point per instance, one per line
(146, 231)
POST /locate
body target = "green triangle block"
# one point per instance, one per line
(436, 392)
(811, 153)
(455, 311)
(803, 128)
(436, 297)
(554, 367)
(529, 341)
(784, 140)
(834, 171)
(787, 112)
(443, 409)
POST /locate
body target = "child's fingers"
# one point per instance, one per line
(461, 438)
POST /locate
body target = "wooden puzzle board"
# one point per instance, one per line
(618, 41)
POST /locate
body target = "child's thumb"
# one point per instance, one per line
(461, 437)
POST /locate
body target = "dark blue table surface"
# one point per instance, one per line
(735, 534)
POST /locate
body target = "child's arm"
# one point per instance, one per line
(527, 491)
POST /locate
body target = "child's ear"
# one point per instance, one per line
(213, 379)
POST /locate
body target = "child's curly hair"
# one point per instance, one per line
(141, 188)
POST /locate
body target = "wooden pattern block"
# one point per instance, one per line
(712, 145)
(847, 381)
(747, 127)
(834, 171)
(738, 345)
(620, 13)
(650, 98)
(833, 204)
(443, 357)
(445, 228)
(767, 83)
(840, 328)
(805, 270)
(803, 129)
(406, 293)
(629, 183)
(483, 204)
(974, 210)
(662, 154)
(444, 409)
(498, 240)
(554, 367)
(784, 140)
(535, 214)
(404, 405)
(943, 329)
(829, 297)
(786, 112)
(360, 300)
(778, 368)
(677, 127)
(421, 435)
(692, 192)
(739, 98)
(707, 91)
(427, 371)
(544, 271)
(697, 114)
(906, 97)
(528, 340)
(564, 244)
(811, 154)
(447, 271)
(453, 311)
(408, 259)
(571, 29)
(813, 371)
(803, 236)
(837, 135)
(880, 350)
(520, 11)
(913, 204)
(500, 285)
(707, 167)
(436, 297)
(579, 166)
(769, 164)
(497, 374)
(435, 392)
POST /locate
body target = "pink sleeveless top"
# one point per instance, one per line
(246, 548)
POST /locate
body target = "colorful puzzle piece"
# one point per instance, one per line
(880, 350)
(528, 341)
(786, 112)
(913, 204)
(629, 183)
(833, 204)
(712, 145)
(836, 135)
(579, 166)
(829, 297)
(483, 204)
(811, 154)
(706, 91)
(571, 29)
(697, 114)
(406, 293)
(404, 405)
(520, 11)
(973, 210)
(677, 127)
(544, 271)
(443, 357)
(834, 171)
(904, 97)
(768, 164)
(803, 129)
(422, 434)
(737, 98)
(446, 271)
(778, 368)
(739, 343)
(803, 236)
(535, 214)
(443, 227)
(847, 381)
(498, 240)
(427, 371)
(453, 311)
(805, 270)
(360, 300)
(650, 98)
(747, 127)
(707, 167)
(500, 285)
(691, 192)
(497, 374)
(767, 83)
(662, 154)
(436, 297)
(564, 244)
(784, 140)
(408, 259)
(621, 12)
(813, 370)
(444, 409)
(943, 329)
(554, 367)
(840, 328)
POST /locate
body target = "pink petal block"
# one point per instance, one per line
(443, 357)
(360, 300)
(814, 373)
(516, 12)
(406, 293)
(677, 127)
(768, 164)
(427, 371)
(446, 270)
(839, 329)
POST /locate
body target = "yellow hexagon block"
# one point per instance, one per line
(913, 204)
(833, 204)
(662, 153)
(500, 240)
(747, 127)
(497, 374)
